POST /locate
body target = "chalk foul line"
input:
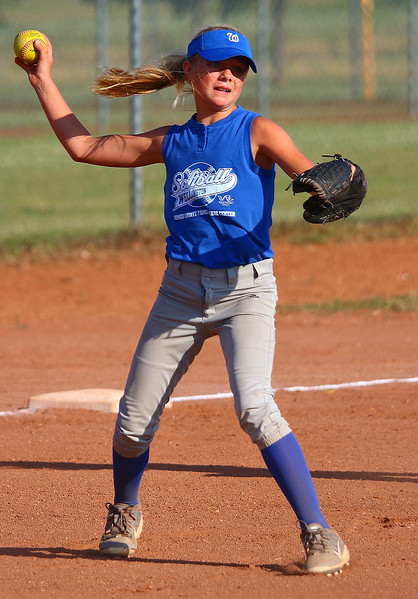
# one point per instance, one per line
(352, 384)
(308, 388)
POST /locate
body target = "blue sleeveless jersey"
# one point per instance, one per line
(218, 202)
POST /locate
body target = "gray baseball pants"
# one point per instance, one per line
(194, 303)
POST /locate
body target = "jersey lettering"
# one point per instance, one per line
(199, 184)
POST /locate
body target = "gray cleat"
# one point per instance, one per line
(325, 551)
(123, 527)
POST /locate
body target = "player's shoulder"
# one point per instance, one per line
(264, 129)
(156, 136)
(159, 131)
(265, 125)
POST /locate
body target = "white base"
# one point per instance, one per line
(102, 400)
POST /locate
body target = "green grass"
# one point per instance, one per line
(398, 303)
(47, 198)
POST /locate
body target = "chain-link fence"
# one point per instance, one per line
(351, 59)
(348, 63)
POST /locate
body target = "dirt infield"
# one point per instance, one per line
(215, 523)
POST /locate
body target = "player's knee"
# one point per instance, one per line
(262, 425)
(129, 445)
(251, 421)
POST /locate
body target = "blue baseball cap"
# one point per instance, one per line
(220, 44)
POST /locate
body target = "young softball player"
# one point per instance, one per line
(219, 193)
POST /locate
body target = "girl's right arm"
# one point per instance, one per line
(110, 150)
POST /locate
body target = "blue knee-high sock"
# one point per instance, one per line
(127, 475)
(287, 464)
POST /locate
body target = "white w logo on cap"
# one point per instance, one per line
(232, 37)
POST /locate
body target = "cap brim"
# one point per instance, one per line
(217, 54)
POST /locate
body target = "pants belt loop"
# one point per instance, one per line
(174, 266)
(232, 276)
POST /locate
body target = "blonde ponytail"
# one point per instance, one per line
(167, 71)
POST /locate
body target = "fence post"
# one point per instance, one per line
(355, 49)
(263, 56)
(413, 59)
(136, 183)
(369, 62)
(101, 49)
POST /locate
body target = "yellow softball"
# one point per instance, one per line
(24, 48)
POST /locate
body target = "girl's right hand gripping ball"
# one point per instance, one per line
(24, 48)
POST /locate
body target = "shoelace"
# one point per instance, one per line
(119, 519)
(313, 541)
(318, 541)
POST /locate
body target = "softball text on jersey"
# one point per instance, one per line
(199, 185)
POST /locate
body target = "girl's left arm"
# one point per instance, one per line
(271, 144)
